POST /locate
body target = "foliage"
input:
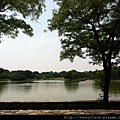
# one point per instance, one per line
(96, 75)
(72, 75)
(69, 75)
(115, 73)
(88, 28)
(13, 14)
(17, 75)
(4, 74)
(36, 75)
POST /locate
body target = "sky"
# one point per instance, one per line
(41, 52)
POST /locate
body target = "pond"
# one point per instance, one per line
(54, 90)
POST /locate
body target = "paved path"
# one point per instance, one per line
(59, 112)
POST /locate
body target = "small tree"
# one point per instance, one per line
(89, 28)
(12, 12)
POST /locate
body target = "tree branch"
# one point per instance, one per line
(3, 10)
(3, 5)
(96, 34)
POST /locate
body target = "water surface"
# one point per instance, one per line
(54, 90)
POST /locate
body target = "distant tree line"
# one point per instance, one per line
(69, 75)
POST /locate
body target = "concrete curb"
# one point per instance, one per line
(112, 105)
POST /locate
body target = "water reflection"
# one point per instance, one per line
(2, 86)
(114, 87)
(114, 90)
(54, 90)
(19, 86)
(71, 86)
(26, 87)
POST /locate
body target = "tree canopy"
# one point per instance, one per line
(71, 75)
(90, 24)
(13, 14)
(89, 28)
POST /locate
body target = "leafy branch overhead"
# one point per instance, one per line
(88, 26)
(13, 14)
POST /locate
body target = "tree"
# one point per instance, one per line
(13, 14)
(36, 75)
(17, 75)
(28, 74)
(72, 75)
(4, 74)
(1, 70)
(89, 28)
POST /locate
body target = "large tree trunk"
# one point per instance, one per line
(106, 84)
(106, 88)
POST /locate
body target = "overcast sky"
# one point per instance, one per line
(40, 52)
